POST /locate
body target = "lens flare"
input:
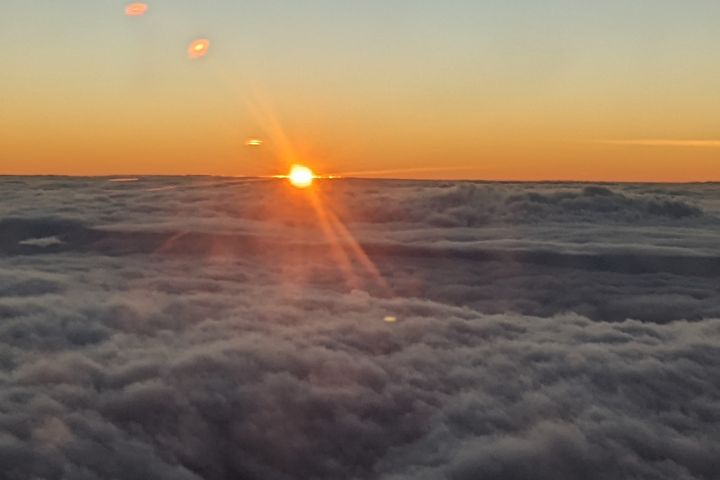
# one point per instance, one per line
(253, 142)
(136, 9)
(198, 48)
(300, 176)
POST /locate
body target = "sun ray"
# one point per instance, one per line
(280, 144)
(349, 240)
(167, 245)
(336, 248)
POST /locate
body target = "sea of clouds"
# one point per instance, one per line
(219, 328)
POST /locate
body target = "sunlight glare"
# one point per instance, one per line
(301, 176)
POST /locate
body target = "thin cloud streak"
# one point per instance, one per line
(662, 142)
(395, 171)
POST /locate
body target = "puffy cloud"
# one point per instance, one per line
(205, 332)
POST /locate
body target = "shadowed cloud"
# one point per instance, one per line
(204, 332)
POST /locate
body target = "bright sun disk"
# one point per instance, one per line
(301, 176)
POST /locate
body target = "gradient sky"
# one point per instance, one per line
(488, 89)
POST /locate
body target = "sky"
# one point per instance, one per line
(469, 89)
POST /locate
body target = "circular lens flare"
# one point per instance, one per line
(300, 176)
(136, 9)
(198, 48)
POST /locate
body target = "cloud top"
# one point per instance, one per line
(204, 332)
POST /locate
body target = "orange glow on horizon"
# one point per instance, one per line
(136, 9)
(198, 48)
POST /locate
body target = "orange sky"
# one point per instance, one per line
(607, 92)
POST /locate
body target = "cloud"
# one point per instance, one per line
(42, 242)
(204, 332)
(667, 142)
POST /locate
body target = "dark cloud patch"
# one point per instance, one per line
(11, 285)
(18, 235)
(476, 205)
(203, 329)
(602, 201)
(497, 287)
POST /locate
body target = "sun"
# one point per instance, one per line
(300, 176)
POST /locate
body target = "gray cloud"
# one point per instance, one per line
(205, 332)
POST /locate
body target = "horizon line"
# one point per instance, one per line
(129, 178)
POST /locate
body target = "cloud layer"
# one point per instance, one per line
(202, 329)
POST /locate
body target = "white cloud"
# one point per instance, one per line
(42, 242)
